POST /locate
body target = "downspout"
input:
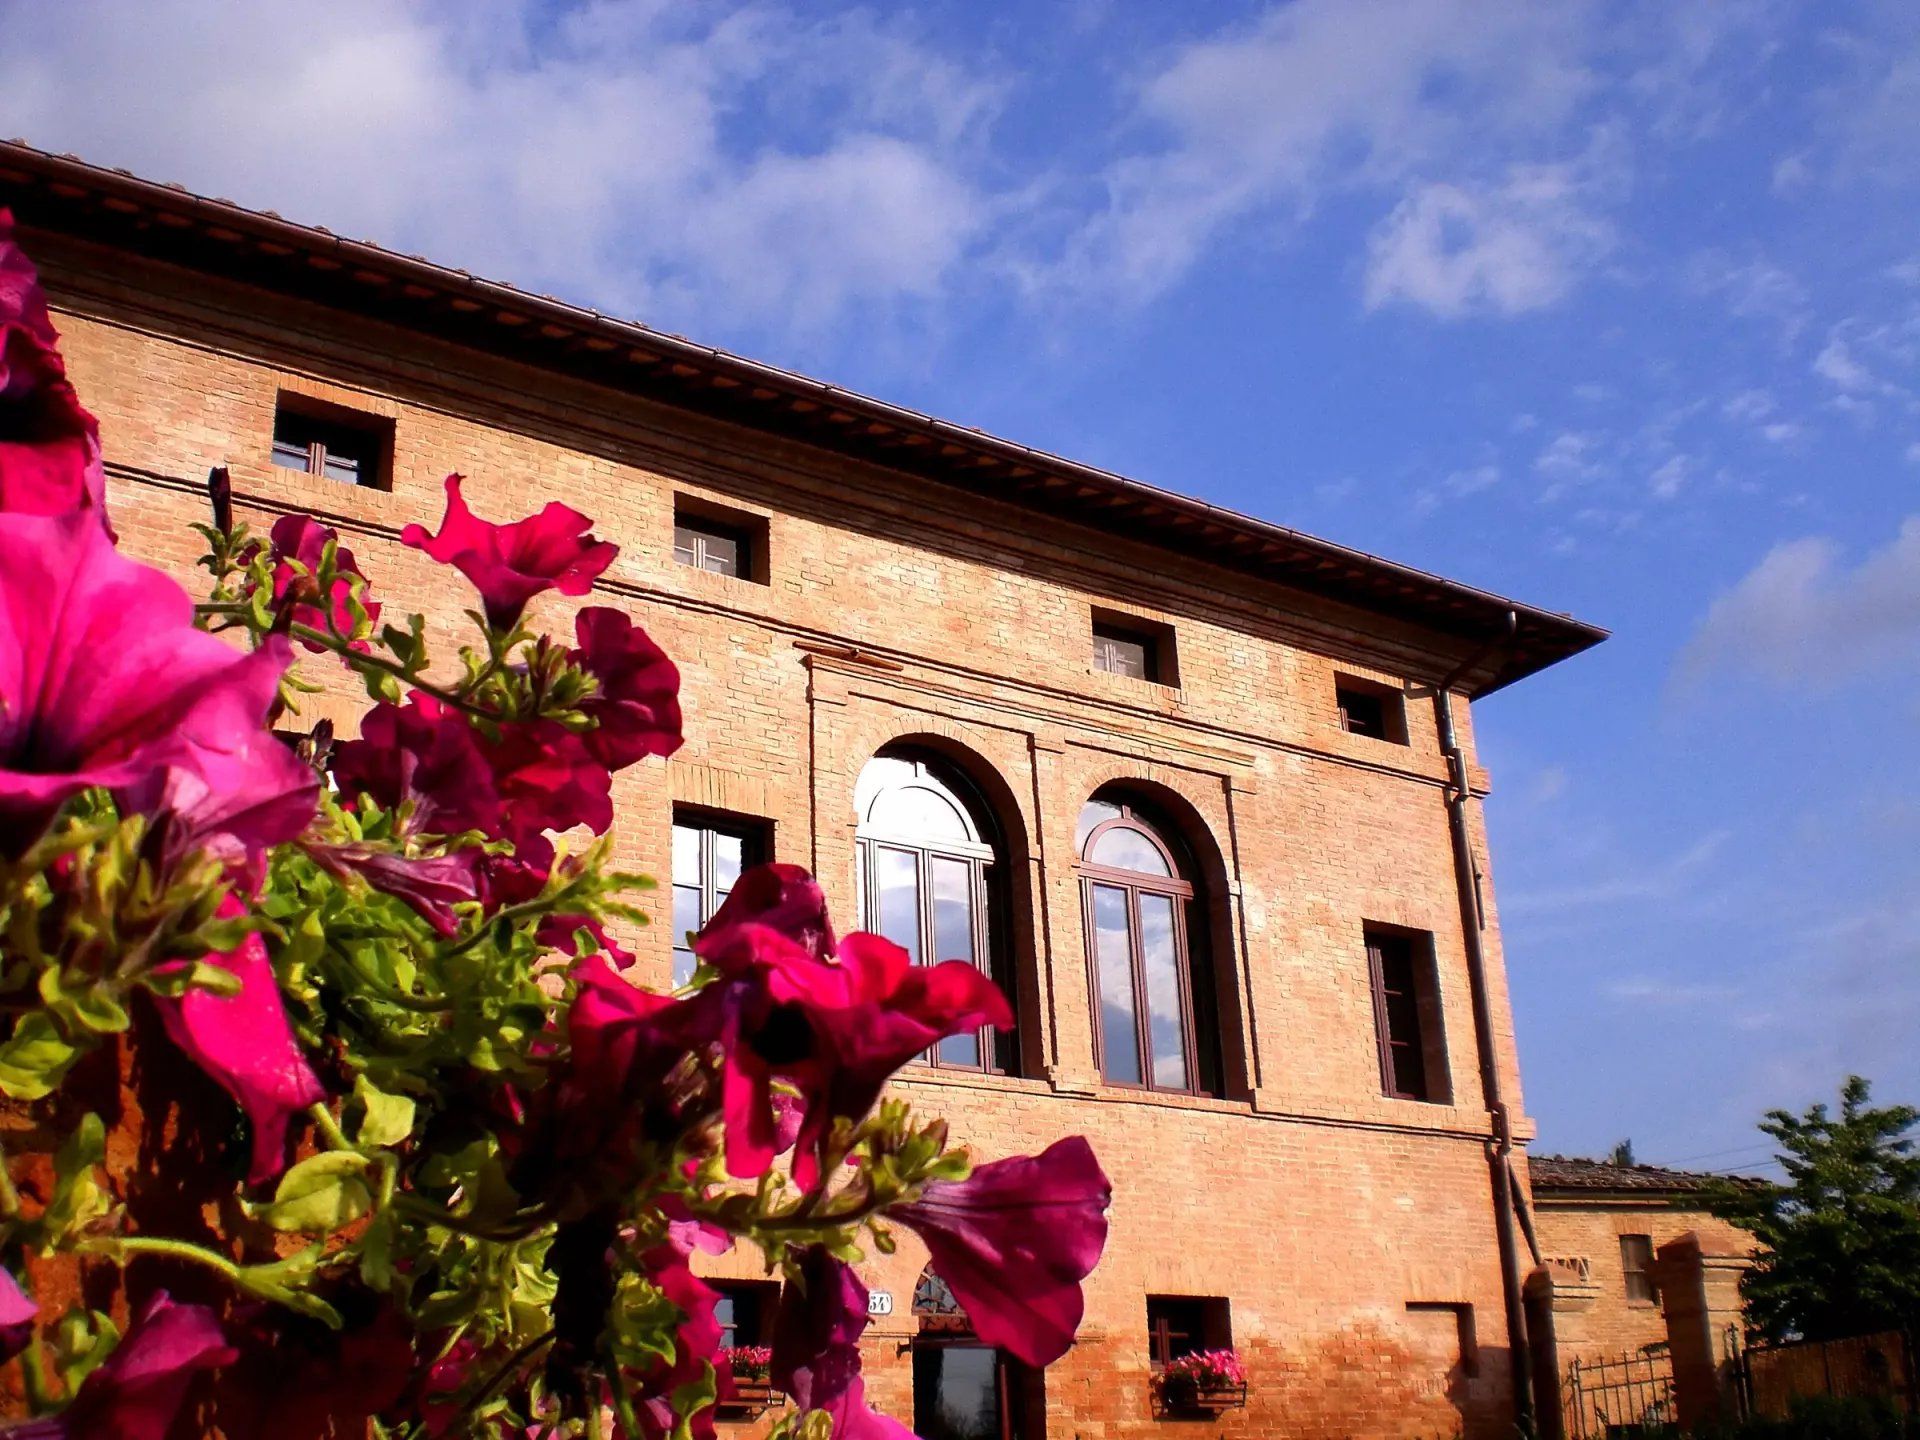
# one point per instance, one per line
(1507, 1197)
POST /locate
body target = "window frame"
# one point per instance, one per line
(322, 422)
(702, 520)
(764, 1299)
(1159, 659)
(756, 848)
(1212, 1318)
(985, 911)
(1391, 703)
(1638, 1275)
(1133, 884)
(1424, 1002)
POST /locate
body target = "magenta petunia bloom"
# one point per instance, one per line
(234, 802)
(104, 681)
(816, 1349)
(510, 564)
(781, 897)
(49, 446)
(431, 884)
(638, 702)
(426, 752)
(17, 1316)
(136, 1393)
(836, 1029)
(1014, 1240)
(246, 1046)
(303, 539)
(547, 779)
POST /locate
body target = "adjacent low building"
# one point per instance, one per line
(1200, 791)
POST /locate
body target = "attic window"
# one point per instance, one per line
(718, 540)
(1371, 709)
(1139, 649)
(332, 441)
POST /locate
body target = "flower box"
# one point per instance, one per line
(746, 1383)
(1202, 1382)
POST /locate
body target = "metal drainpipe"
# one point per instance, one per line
(1473, 921)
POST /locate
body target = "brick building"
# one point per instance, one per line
(1201, 791)
(1601, 1225)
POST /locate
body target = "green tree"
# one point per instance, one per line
(1622, 1155)
(1840, 1239)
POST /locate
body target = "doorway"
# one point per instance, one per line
(965, 1391)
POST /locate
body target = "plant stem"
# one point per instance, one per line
(160, 1245)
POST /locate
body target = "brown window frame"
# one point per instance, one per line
(1134, 884)
(370, 440)
(1415, 948)
(756, 848)
(1637, 1271)
(1159, 660)
(998, 1051)
(699, 520)
(763, 1297)
(1209, 1322)
(1354, 697)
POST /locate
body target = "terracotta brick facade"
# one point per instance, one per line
(1350, 1235)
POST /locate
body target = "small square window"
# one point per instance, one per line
(1406, 1016)
(1448, 1332)
(744, 1310)
(1636, 1263)
(709, 854)
(1376, 711)
(1181, 1324)
(1138, 649)
(719, 541)
(332, 441)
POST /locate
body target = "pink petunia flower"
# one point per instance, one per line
(303, 539)
(816, 1349)
(547, 779)
(638, 702)
(105, 681)
(49, 446)
(431, 884)
(1014, 1240)
(781, 897)
(836, 1028)
(426, 752)
(17, 1316)
(510, 564)
(246, 1046)
(136, 1392)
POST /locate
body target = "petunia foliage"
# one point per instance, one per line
(329, 1105)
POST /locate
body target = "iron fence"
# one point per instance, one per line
(1621, 1397)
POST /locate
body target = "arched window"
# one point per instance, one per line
(930, 883)
(1154, 1024)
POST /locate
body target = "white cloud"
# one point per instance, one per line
(1569, 459)
(1782, 432)
(1752, 289)
(1503, 249)
(1836, 363)
(1748, 406)
(1803, 616)
(1667, 481)
(1791, 173)
(592, 151)
(1913, 453)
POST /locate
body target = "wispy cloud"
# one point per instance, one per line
(1805, 615)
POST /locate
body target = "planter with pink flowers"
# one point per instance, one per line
(746, 1382)
(1202, 1382)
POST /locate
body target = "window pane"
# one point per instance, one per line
(897, 898)
(956, 1393)
(1161, 960)
(1399, 994)
(686, 546)
(1093, 815)
(1125, 849)
(293, 457)
(686, 912)
(729, 857)
(918, 813)
(720, 554)
(686, 855)
(726, 1318)
(952, 884)
(1113, 959)
(1120, 656)
(341, 467)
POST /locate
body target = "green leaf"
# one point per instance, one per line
(321, 1194)
(35, 1058)
(176, 980)
(284, 1282)
(78, 1196)
(88, 1005)
(81, 1340)
(386, 1119)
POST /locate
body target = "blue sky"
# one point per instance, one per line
(1615, 308)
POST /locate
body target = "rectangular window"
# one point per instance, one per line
(332, 441)
(1636, 1262)
(1181, 1324)
(745, 1310)
(1138, 649)
(1371, 709)
(1406, 1015)
(709, 854)
(720, 541)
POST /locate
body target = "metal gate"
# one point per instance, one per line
(1619, 1398)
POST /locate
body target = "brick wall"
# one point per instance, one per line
(894, 611)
